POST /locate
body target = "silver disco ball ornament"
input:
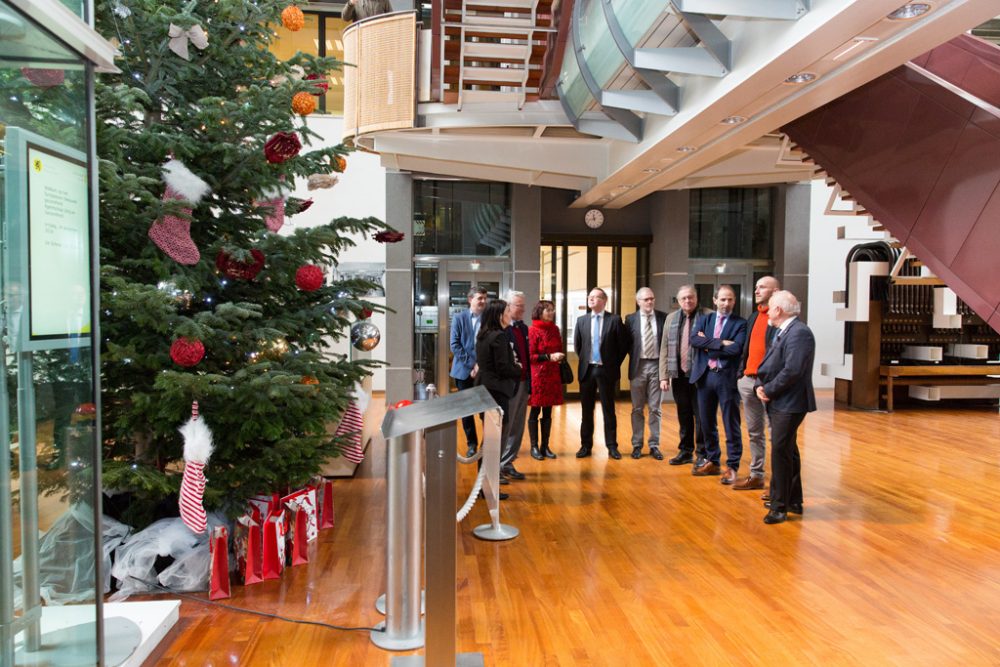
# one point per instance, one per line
(365, 336)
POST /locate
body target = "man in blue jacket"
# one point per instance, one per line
(464, 328)
(718, 341)
(784, 385)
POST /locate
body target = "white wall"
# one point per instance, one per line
(359, 194)
(827, 273)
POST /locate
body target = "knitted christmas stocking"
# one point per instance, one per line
(171, 233)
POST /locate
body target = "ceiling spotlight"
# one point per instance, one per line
(686, 149)
(801, 77)
(651, 170)
(623, 187)
(911, 10)
(734, 120)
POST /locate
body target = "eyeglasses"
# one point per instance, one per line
(649, 298)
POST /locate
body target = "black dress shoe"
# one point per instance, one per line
(775, 516)
(536, 454)
(613, 453)
(548, 453)
(471, 451)
(636, 453)
(583, 452)
(794, 508)
(655, 453)
(512, 473)
(504, 481)
(681, 459)
(501, 495)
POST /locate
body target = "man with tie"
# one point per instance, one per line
(645, 327)
(718, 342)
(759, 337)
(676, 358)
(784, 385)
(517, 333)
(601, 341)
(464, 328)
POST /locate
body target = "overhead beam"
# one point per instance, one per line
(790, 10)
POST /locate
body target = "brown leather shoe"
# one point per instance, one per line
(707, 468)
(749, 483)
(728, 477)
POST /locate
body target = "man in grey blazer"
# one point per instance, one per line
(645, 328)
(784, 385)
(601, 341)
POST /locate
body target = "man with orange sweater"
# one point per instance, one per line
(759, 337)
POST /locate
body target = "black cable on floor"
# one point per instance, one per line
(255, 612)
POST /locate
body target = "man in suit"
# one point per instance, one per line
(464, 328)
(601, 341)
(759, 337)
(784, 385)
(645, 328)
(517, 333)
(718, 342)
(676, 359)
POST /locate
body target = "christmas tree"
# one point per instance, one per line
(200, 138)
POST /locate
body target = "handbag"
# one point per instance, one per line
(565, 372)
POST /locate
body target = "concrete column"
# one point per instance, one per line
(526, 239)
(791, 239)
(398, 334)
(668, 253)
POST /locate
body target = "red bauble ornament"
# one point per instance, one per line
(366, 313)
(187, 352)
(232, 268)
(282, 146)
(390, 237)
(309, 278)
(320, 84)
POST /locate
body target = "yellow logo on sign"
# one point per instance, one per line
(37, 164)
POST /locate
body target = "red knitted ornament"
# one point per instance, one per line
(320, 84)
(309, 277)
(233, 268)
(44, 78)
(187, 352)
(366, 313)
(282, 146)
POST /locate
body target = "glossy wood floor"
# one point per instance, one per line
(896, 561)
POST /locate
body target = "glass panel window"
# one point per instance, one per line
(732, 223)
(461, 218)
(321, 36)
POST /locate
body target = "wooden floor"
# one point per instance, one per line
(896, 561)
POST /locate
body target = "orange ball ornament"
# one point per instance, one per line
(339, 163)
(310, 379)
(292, 18)
(303, 103)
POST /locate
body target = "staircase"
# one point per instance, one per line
(919, 149)
(493, 52)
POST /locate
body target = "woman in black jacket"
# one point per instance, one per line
(499, 368)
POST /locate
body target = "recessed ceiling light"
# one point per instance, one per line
(734, 120)
(622, 187)
(651, 170)
(801, 77)
(910, 10)
(686, 149)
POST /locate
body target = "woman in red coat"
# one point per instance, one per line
(545, 346)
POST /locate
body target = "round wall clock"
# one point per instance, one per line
(594, 218)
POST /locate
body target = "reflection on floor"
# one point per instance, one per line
(639, 563)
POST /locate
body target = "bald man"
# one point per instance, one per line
(759, 337)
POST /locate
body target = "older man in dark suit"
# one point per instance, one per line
(784, 385)
(645, 328)
(601, 341)
(718, 341)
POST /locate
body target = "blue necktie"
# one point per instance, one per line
(595, 341)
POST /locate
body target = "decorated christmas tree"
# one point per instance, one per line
(201, 138)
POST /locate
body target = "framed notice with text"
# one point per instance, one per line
(47, 254)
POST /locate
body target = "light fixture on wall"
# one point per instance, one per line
(475, 265)
(720, 267)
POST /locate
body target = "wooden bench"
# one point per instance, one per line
(891, 376)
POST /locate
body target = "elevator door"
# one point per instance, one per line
(449, 282)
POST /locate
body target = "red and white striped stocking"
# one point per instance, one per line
(197, 450)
